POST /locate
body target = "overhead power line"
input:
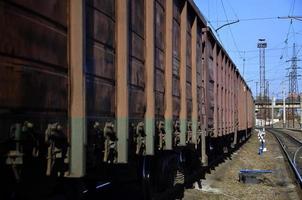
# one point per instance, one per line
(226, 25)
(250, 19)
(263, 18)
(236, 46)
(291, 17)
(269, 49)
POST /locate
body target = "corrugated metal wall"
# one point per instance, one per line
(100, 60)
(33, 62)
(137, 98)
(159, 59)
(34, 67)
(176, 59)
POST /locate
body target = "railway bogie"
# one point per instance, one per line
(111, 90)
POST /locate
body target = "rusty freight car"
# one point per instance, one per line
(99, 92)
(228, 104)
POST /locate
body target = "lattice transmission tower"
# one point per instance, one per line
(293, 93)
(262, 99)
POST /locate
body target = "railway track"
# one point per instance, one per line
(292, 148)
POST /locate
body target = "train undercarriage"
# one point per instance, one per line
(33, 174)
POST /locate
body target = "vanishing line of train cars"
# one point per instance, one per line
(130, 85)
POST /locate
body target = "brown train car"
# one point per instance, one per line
(34, 63)
(112, 90)
(229, 102)
(246, 110)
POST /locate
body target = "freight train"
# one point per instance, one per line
(98, 92)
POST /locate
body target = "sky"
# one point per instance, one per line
(240, 39)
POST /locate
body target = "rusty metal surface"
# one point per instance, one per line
(209, 82)
(24, 87)
(176, 59)
(189, 50)
(32, 65)
(227, 97)
(100, 72)
(199, 70)
(30, 37)
(159, 59)
(100, 60)
(34, 60)
(55, 10)
(137, 98)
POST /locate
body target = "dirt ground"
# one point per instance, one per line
(223, 181)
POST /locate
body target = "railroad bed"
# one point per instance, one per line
(222, 182)
(295, 133)
(292, 146)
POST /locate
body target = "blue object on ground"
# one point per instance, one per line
(250, 175)
(255, 171)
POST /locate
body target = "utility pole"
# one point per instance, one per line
(256, 89)
(300, 99)
(284, 109)
(293, 83)
(262, 45)
(300, 111)
(243, 63)
(267, 102)
(273, 104)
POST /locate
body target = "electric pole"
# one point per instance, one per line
(300, 111)
(293, 83)
(243, 63)
(273, 104)
(262, 45)
(267, 101)
(284, 109)
(256, 89)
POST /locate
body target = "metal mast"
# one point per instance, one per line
(293, 75)
(266, 96)
(293, 82)
(262, 45)
(256, 90)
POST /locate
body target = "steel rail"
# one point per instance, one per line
(292, 164)
(294, 138)
(295, 155)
